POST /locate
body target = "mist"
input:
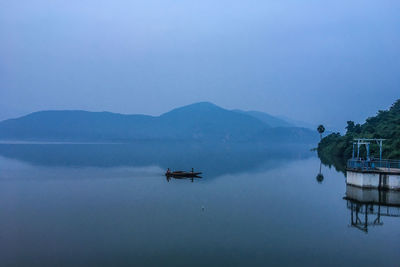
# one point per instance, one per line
(320, 62)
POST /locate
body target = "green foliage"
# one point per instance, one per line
(386, 124)
(350, 126)
(321, 129)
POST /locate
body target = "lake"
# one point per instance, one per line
(110, 204)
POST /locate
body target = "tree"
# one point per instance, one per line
(321, 130)
(396, 106)
(350, 126)
(386, 124)
(357, 128)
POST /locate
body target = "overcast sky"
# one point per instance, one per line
(316, 61)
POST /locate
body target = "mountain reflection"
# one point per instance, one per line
(213, 159)
(368, 206)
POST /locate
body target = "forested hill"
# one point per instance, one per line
(199, 121)
(386, 124)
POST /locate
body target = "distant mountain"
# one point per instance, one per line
(206, 120)
(266, 118)
(200, 121)
(75, 125)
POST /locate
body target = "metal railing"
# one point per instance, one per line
(373, 164)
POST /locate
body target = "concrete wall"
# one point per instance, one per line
(394, 181)
(361, 179)
(373, 180)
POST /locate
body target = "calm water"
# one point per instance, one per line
(83, 205)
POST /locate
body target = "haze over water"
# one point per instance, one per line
(268, 210)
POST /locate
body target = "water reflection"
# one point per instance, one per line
(215, 159)
(320, 176)
(368, 206)
(331, 161)
(256, 217)
(183, 178)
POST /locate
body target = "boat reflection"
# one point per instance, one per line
(368, 206)
(169, 177)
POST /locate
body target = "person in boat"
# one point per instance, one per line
(168, 171)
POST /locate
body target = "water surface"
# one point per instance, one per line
(94, 205)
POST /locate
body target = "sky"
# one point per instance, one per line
(316, 61)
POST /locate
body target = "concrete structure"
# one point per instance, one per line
(367, 142)
(380, 179)
(372, 172)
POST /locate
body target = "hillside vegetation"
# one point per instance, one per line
(386, 124)
(200, 121)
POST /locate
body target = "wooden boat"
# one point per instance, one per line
(182, 174)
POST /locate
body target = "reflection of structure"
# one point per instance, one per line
(367, 206)
(320, 176)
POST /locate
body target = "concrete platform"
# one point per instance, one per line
(379, 179)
